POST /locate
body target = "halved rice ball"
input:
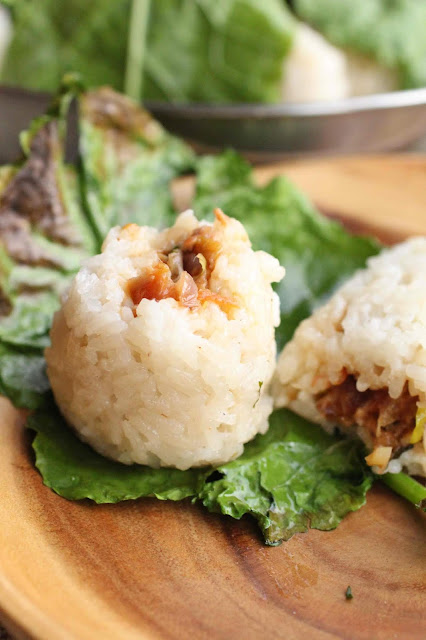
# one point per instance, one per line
(359, 362)
(163, 350)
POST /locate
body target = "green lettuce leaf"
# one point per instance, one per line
(23, 377)
(44, 232)
(392, 32)
(29, 322)
(75, 471)
(318, 254)
(294, 477)
(51, 38)
(216, 50)
(290, 479)
(53, 216)
(44, 236)
(203, 50)
(128, 161)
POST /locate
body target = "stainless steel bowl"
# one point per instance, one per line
(17, 108)
(379, 122)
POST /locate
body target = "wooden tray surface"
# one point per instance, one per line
(158, 570)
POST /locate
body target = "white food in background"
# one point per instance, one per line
(367, 77)
(162, 384)
(5, 33)
(316, 70)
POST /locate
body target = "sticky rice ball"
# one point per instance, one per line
(359, 362)
(164, 349)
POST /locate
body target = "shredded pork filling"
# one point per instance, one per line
(388, 421)
(184, 273)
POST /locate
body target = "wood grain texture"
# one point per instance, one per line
(157, 570)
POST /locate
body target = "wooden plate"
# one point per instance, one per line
(158, 570)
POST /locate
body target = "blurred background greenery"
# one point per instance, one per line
(218, 51)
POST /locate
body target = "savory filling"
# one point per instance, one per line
(389, 422)
(184, 273)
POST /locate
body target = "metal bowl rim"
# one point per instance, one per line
(357, 104)
(372, 102)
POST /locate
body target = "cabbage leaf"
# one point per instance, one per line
(44, 236)
(392, 32)
(217, 50)
(201, 50)
(52, 38)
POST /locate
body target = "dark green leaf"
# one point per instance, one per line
(294, 477)
(75, 471)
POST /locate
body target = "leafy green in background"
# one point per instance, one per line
(23, 377)
(53, 37)
(392, 32)
(318, 254)
(197, 50)
(217, 50)
(128, 161)
(44, 233)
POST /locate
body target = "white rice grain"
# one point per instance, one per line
(168, 386)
